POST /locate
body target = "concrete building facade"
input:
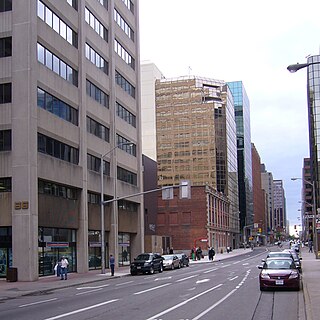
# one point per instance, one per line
(280, 216)
(69, 94)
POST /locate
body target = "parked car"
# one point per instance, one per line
(296, 257)
(170, 261)
(278, 273)
(184, 259)
(146, 263)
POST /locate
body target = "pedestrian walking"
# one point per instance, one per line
(111, 262)
(310, 246)
(211, 254)
(64, 268)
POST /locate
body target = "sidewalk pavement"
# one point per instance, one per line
(310, 279)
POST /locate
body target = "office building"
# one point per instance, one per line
(280, 217)
(196, 139)
(69, 96)
(242, 116)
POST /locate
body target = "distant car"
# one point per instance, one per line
(184, 259)
(296, 258)
(279, 273)
(146, 263)
(170, 261)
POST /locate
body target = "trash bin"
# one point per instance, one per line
(12, 274)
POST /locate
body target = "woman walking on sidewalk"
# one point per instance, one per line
(64, 268)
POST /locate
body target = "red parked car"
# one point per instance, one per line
(279, 273)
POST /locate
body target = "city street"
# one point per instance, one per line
(227, 289)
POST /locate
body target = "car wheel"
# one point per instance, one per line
(262, 288)
(151, 270)
(133, 273)
(160, 268)
(187, 264)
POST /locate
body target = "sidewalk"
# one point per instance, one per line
(311, 284)
(10, 290)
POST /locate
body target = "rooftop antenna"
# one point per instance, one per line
(189, 69)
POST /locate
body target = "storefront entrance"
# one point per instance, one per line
(5, 250)
(53, 245)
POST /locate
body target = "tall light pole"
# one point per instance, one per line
(295, 67)
(314, 210)
(103, 254)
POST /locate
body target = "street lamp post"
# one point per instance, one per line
(314, 210)
(102, 203)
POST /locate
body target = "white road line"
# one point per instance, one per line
(183, 303)
(81, 310)
(233, 278)
(196, 275)
(211, 270)
(33, 303)
(95, 287)
(215, 305)
(85, 292)
(245, 264)
(151, 289)
(164, 278)
(124, 283)
(203, 280)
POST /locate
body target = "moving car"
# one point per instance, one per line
(184, 259)
(146, 263)
(170, 261)
(278, 273)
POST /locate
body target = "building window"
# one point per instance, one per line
(5, 5)
(94, 198)
(127, 206)
(125, 85)
(126, 176)
(73, 4)
(123, 25)
(126, 115)
(129, 5)
(93, 163)
(5, 140)
(5, 185)
(6, 47)
(131, 149)
(57, 149)
(96, 25)
(104, 3)
(96, 59)
(55, 23)
(5, 93)
(55, 64)
(57, 107)
(57, 190)
(123, 54)
(97, 94)
(98, 129)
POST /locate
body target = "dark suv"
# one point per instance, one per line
(146, 262)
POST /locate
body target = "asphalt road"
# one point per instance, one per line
(220, 290)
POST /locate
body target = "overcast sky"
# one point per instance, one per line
(253, 41)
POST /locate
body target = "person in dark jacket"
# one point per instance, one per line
(111, 262)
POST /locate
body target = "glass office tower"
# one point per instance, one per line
(242, 116)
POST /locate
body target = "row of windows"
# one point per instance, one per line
(127, 146)
(57, 149)
(97, 94)
(96, 59)
(5, 185)
(93, 163)
(129, 5)
(55, 64)
(94, 198)
(54, 22)
(125, 85)
(6, 47)
(5, 93)
(5, 5)
(127, 205)
(126, 176)
(98, 129)
(57, 190)
(126, 115)
(96, 25)
(123, 54)
(123, 25)
(59, 108)
(104, 3)
(5, 140)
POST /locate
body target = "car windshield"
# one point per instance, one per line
(143, 257)
(278, 264)
(167, 257)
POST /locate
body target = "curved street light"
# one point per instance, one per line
(295, 67)
(103, 255)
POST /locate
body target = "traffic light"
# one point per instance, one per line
(295, 226)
